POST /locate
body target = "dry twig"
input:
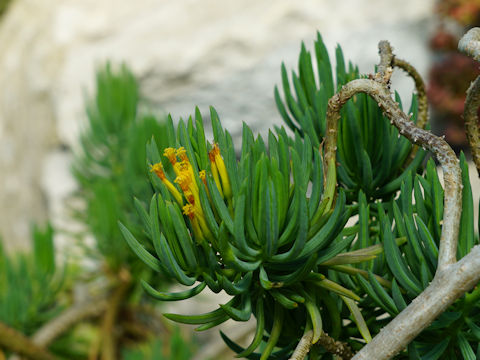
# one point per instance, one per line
(50, 331)
(109, 343)
(422, 115)
(338, 348)
(18, 343)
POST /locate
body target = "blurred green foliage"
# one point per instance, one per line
(178, 349)
(4, 4)
(110, 167)
(29, 284)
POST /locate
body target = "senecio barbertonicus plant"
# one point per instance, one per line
(270, 225)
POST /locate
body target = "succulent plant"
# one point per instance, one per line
(411, 266)
(109, 164)
(248, 227)
(270, 227)
(26, 305)
(371, 155)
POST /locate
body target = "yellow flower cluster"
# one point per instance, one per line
(185, 179)
(218, 168)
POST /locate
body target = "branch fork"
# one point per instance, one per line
(453, 278)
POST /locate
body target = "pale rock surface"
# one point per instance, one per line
(186, 53)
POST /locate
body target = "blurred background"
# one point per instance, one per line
(185, 53)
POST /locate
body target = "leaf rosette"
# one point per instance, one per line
(372, 156)
(261, 228)
(417, 216)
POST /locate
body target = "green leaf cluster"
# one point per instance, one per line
(178, 349)
(371, 155)
(110, 165)
(30, 284)
(267, 244)
(293, 247)
(417, 216)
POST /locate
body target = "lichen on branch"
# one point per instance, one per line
(470, 45)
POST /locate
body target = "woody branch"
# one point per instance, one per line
(452, 279)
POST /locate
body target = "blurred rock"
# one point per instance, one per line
(186, 53)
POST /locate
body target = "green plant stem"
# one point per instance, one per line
(303, 346)
(108, 339)
(353, 271)
(18, 343)
(275, 332)
(360, 255)
(107, 345)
